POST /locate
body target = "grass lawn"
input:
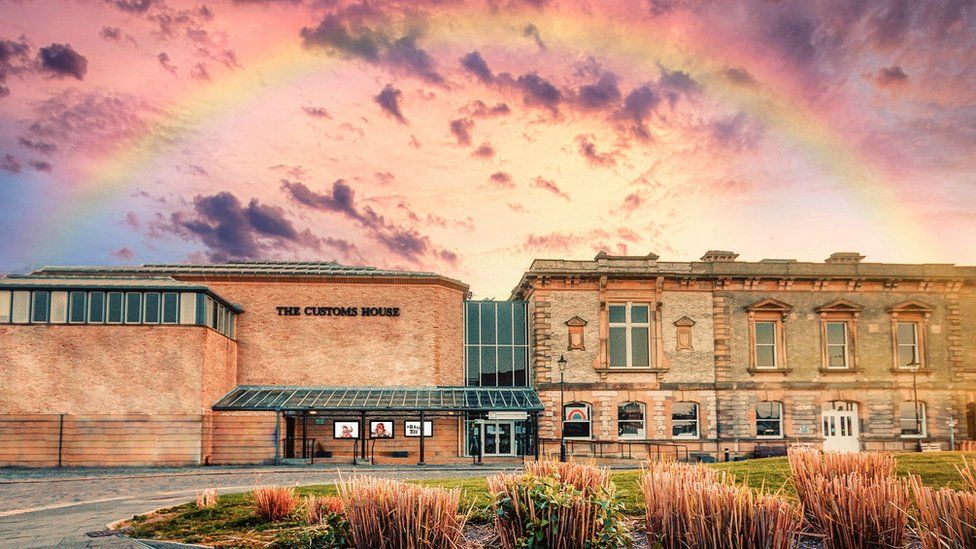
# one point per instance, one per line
(232, 524)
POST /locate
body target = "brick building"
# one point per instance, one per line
(749, 357)
(240, 363)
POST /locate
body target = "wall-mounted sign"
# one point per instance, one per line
(337, 311)
(508, 415)
(412, 428)
(346, 429)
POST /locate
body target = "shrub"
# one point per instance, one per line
(558, 506)
(318, 508)
(396, 515)
(856, 511)
(273, 503)
(694, 506)
(207, 499)
(946, 517)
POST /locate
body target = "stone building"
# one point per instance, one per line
(749, 357)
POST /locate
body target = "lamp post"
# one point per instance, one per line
(562, 409)
(914, 365)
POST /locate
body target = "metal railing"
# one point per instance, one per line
(306, 452)
(620, 449)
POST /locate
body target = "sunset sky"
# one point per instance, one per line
(468, 138)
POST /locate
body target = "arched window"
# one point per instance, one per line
(912, 419)
(576, 417)
(769, 419)
(630, 420)
(684, 420)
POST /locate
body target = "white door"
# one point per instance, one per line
(841, 431)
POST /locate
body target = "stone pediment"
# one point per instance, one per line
(839, 305)
(770, 304)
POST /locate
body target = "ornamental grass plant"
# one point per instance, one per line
(945, 518)
(695, 506)
(968, 473)
(273, 503)
(557, 506)
(396, 515)
(207, 499)
(851, 500)
(318, 508)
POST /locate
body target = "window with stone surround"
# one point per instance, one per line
(909, 323)
(683, 339)
(912, 425)
(577, 420)
(630, 335)
(767, 338)
(630, 421)
(838, 334)
(769, 419)
(684, 420)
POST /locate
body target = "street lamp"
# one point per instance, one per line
(914, 366)
(562, 409)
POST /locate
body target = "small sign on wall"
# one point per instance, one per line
(412, 429)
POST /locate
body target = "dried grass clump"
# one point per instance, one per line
(968, 473)
(318, 508)
(853, 511)
(558, 506)
(396, 515)
(946, 518)
(207, 499)
(807, 464)
(273, 503)
(695, 506)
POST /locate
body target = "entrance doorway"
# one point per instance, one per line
(841, 431)
(499, 438)
(289, 437)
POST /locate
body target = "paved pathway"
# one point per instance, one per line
(46, 508)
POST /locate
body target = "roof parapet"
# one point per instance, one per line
(844, 257)
(719, 256)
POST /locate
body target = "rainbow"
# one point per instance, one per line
(640, 45)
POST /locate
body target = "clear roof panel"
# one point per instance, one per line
(268, 398)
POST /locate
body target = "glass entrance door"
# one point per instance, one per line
(499, 438)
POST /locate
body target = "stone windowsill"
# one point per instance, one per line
(841, 370)
(769, 370)
(920, 371)
(631, 370)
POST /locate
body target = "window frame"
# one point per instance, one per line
(72, 308)
(108, 308)
(138, 308)
(915, 345)
(145, 307)
(102, 310)
(628, 326)
(922, 416)
(828, 345)
(6, 306)
(756, 344)
(62, 317)
(642, 430)
(588, 422)
(35, 308)
(24, 298)
(696, 421)
(781, 420)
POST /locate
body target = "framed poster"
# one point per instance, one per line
(346, 429)
(412, 428)
(380, 429)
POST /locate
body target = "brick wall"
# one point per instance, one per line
(422, 346)
(100, 369)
